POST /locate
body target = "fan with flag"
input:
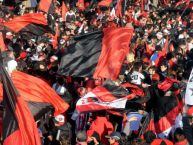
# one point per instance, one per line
(25, 99)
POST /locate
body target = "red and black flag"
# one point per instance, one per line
(35, 23)
(19, 127)
(47, 6)
(166, 109)
(38, 94)
(108, 96)
(97, 54)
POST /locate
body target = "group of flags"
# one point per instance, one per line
(97, 54)
(25, 100)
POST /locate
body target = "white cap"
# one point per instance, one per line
(11, 66)
(60, 119)
(28, 49)
(33, 40)
(8, 33)
(53, 57)
(181, 36)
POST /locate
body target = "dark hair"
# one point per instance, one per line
(149, 136)
(178, 131)
(137, 66)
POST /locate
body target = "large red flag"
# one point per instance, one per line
(95, 53)
(35, 90)
(115, 45)
(19, 127)
(32, 22)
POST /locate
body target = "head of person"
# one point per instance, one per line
(1, 2)
(93, 138)
(152, 70)
(81, 137)
(149, 136)
(163, 66)
(159, 35)
(137, 141)
(179, 135)
(59, 120)
(114, 137)
(137, 66)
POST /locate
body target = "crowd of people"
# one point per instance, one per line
(161, 48)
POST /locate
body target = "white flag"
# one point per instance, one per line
(189, 91)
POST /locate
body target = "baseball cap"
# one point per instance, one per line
(59, 119)
(114, 135)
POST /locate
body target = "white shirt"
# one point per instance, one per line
(137, 78)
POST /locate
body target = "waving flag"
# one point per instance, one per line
(19, 127)
(165, 111)
(108, 96)
(93, 54)
(37, 93)
(35, 23)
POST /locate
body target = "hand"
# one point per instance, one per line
(95, 141)
(50, 137)
(145, 85)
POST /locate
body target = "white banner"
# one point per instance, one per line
(189, 91)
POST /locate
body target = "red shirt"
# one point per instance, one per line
(102, 126)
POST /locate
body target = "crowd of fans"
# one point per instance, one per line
(161, 48)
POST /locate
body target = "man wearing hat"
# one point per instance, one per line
(114, 138)
(61, 130)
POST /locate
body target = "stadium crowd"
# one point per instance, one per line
(159, 63)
